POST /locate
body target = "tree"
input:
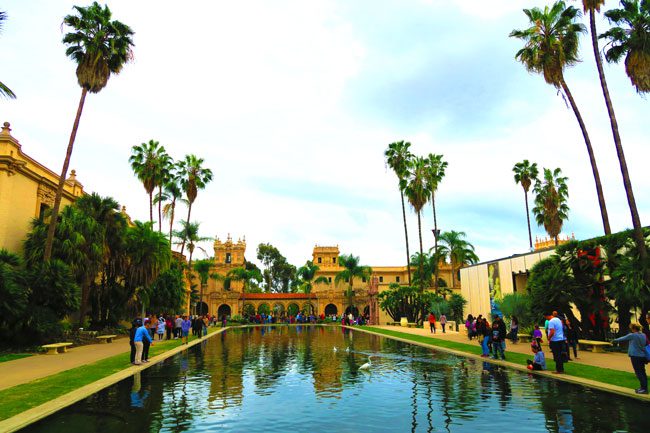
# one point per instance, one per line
(171, 193)
(417, 193)
(245, 276)
(168, 290)
(399, 159)
(352, 269)
(146, 161)
(518, 305)
(457, 250)
(634, 43)
(193, 177)
(435, 172)
(202, 267)
(100, 47)
(406, 301)
(13, 292)
(525, 174)
(4, 90)
(278, 274)
(551, 196)
(551, 45)
(307, 274)
(456, 306)
(189, 234)
(430, 264)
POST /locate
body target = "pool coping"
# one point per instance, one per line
(44, 410)
(625, 392)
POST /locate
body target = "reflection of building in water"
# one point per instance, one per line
(225, 362)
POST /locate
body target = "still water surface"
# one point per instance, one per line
(308, 379)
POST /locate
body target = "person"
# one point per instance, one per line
(637, 341)
(646, 331)
(571, 339)
(556, 341)
(169, 327)
(469, 324)
(146, 343)
(483, 333)
(134, 327)
(539, 360)
(141, 335)
(206, 322)
(224, 320)
(498, 338)
(432, 323)
(177, 327)
(186, 324)
(514, 329)
(161, 328)
(443, 322)
(537, 335)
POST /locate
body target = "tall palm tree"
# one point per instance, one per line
(525, 174)
(307, 274)
(633, 41)
(4, 90)
(170, 194)
(551, 45)
(189, 235)
(165, 172)
(435, 173)
(457, 250)
(202, 268)
(551, 196)
(100, 47)
(351, 270)
(417, 193)
(245, 276)
(193, 177)
(399, 158)
(146, 162)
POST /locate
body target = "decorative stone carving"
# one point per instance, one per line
(46, 195)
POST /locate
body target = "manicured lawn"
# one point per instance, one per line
(599, 374)
(4, 357)
(26, 396)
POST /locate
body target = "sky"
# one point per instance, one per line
(292, 104)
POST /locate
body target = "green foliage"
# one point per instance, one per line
(456, 306)
(518, 305)
(168, 290)
(4, 90)
(405, 301)
(551, 197)
(14, 292)
(459, 252)
(352, 269)
(278, 274)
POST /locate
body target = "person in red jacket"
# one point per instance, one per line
(432, 322)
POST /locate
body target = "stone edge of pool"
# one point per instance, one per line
(625, 392)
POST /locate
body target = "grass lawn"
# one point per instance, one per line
(4, 357)
(22, 397)
(599, 374)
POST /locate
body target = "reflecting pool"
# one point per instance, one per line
(309, 379)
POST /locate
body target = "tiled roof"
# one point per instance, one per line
(272, 296)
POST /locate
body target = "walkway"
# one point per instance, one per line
(615, 361)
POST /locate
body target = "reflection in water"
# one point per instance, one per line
(279, 379)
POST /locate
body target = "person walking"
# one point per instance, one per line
(556, 341)
(169, 326)
(514, 329)
(432, 323)
(141, 335)
(186, 324)
(636, 350)
(161, 328)
(177, 326)
(443, 322)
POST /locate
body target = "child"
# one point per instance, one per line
(537, 335)
(539, 361)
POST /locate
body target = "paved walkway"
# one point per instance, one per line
(615, 361)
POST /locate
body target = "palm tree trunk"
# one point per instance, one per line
(592, 158)
(47, 254)
(530, 235)
(421, 252)
(83, 305)
(151, 207)
(189, 212)
(159, 209)
(406, 238)
(556, 241)
(636, 222)
(171, 221)
(435, 240)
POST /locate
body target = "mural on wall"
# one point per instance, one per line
(494, 284)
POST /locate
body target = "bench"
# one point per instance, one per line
(525, 338)
(596, 346)
(56, 348)
(106, 338)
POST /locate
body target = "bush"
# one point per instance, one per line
(519, 305)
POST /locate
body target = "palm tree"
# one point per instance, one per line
(245, 276)
(418, 194)
(457, 250)
(551, 196)
(4, 90)
(525, 174)
(165, 173)
(100, 47)
(435, 172)
(399, 159)
(193, 177)
(351, 270)
(552, 45)
(634, 43)
(146, 161)
(306, 274)
(189, 234)
(203, 267)
(170, 194)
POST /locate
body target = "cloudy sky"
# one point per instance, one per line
(292, 104)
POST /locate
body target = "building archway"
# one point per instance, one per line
(224, 310)
(263, 308)
(366, 310)
(352, 309)
(331, 309)
(293, 309)
(248, 310)
(308, 308)
(201, 308)
(278, 309)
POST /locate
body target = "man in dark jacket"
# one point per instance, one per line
(498, 337)
(134, 326)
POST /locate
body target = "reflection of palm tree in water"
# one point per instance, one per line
(414, 399)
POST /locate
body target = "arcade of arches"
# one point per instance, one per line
(326, 298)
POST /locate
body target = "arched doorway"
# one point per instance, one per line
(249, 310)
(293, 309)
(366, 310)
(352, 309)
(278, 309)
(263, 309)
(224, 310)
(308, 308)
(201, 308)
(331, 309)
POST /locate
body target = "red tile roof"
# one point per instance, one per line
(273, 296)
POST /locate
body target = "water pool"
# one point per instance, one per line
(308, 378)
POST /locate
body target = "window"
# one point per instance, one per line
(329, 279)
(320, 260)
(397, 279)
(381, 279)
(333, 259)
(363, 279)
(228, 258)
(42, 210)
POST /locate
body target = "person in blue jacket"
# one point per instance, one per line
(637, 341)
(141, 335)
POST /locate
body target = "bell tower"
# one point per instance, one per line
(229, 254)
